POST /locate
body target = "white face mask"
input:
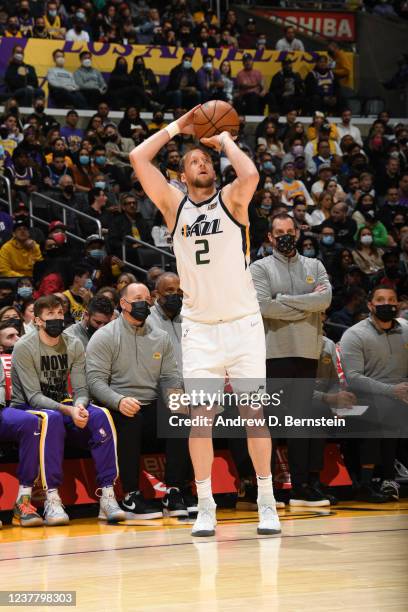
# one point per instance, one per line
(60, 61)
(366, 240)
(18, 57)
(87, 63)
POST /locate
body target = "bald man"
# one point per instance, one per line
(128, 363)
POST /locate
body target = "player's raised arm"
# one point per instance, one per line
(238, 194)
(165, 196)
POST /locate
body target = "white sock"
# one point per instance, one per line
(108, 492)
(265, 489)
(204, 491)
(22, 490)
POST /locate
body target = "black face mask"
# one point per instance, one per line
(8, 351)
(285, 244)
(385, 312)
(69, 189)
(140, 310)
(54, 327)
(172, 303)
(14, 322)
(90, 330)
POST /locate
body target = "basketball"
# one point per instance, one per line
(215, 117)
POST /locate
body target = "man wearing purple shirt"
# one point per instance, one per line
(209, 80)
(72, 134)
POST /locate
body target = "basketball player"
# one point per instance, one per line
(222, 326)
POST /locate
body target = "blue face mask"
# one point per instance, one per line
(100, 160)
(309, 252)
(25, 292)
(97, 254)
(268, 165)
(266, 207)
(186, 64)
(88, 284)
(84, 160)
(100, 184)
(328, 240)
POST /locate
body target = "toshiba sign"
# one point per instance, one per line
(338, 26)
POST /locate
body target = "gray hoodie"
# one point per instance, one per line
(159, 319)
(89, 78)
(39, 373)
(78, 331)
(290, 309)
(124, 361)
(374, 360)
(61, 79)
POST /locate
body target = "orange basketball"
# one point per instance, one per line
(215, 117)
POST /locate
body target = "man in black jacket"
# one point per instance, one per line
(286, 88)
(182, 88)
(21, 79)
(129, 223)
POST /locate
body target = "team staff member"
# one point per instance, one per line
(127, 363)
(165, 314)
(43, 360)
(374, 356)
(98, 313)
(292, 292)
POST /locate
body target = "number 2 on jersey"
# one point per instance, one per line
(203, 251)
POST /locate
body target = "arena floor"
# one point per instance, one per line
(354, 557)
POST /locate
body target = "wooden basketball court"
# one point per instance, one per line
(354, 557)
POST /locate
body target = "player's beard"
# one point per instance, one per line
(203, 183)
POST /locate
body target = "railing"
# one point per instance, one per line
(147, 245)
(64, 214)
(8, 190)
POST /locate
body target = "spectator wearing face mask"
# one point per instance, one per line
(267, 169)
(98, 313)
(289, 187)
(209, 81)
(90, 81)
(392, 276)
(12, 315)
(366, 255)
(117, 147)
(6, 293)
(21, 79)
(79, 291)
(182, 88)
(77, 33)
(9, 335)
(308, 246)
(53, 22)
(24, 291)
(327, 248)
(381, 238)
(344, 227)
(259, 212)
(62, 86)
(287, 88)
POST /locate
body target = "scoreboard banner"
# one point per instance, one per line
(161, 60)
(329, 24)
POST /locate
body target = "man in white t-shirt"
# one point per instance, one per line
(346, 127)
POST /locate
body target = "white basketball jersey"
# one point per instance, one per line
(212, 251)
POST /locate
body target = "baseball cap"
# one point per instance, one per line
(94, 238)
(324, 166)
(54, 224)
(287, 160)
(21, 223)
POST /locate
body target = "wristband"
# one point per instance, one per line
(172, 129)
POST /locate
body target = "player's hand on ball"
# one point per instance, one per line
(216, 142)
(186, 121)
(129, 406)
(80, 416)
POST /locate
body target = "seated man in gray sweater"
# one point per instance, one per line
(127, 362)
(61, 84)
(98, 313)
(43, 364)
(374, 358)
(89, 80)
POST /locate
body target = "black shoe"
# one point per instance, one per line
(173, 503)
(139, 507)
(308, 496)
(321, 490)
(369, 493)
(190, 501)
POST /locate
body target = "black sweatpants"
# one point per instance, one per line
(305, 455)
(139, 434)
